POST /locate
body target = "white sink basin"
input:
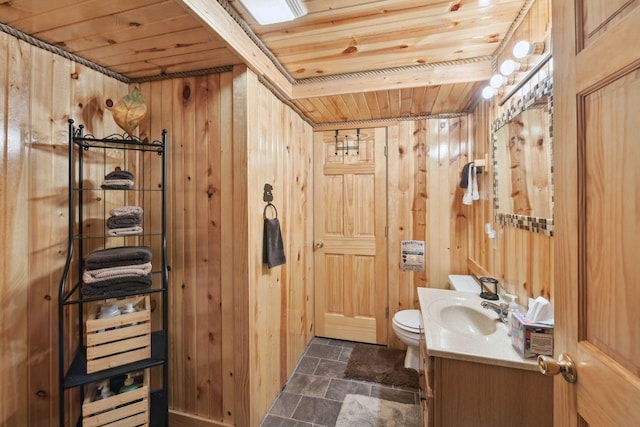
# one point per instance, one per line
(462, 314)
(456, 326)
(466, 320)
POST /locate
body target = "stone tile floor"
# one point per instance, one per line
(313, 395)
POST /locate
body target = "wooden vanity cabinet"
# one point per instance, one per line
(456, 393)
(425, 384)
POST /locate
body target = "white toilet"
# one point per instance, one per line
(406, 323)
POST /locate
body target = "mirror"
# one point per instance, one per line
(522, 161)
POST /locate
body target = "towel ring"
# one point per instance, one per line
(274, 210)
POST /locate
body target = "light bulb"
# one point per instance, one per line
(497, 81)
(522, 49)
(509, 66)
(488, 92)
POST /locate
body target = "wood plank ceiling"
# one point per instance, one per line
(346, 60)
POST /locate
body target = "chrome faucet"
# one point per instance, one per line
(502, 310)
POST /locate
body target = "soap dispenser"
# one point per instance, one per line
(128, 308)
(129, 384)
(513, 308)
(103, 391)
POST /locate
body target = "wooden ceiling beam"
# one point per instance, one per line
(216, 18)
(439, 75)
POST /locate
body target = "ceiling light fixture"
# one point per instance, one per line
(272, 11)
(523, 48)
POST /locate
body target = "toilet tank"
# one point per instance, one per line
(464, 283)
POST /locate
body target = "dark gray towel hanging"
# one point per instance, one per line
(273, 248)
(464, 177)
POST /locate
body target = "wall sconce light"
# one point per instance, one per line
(497, 81)
(489, 92)
(272, 11)
(509, 66)
(523, 49)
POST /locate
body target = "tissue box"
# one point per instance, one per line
(531, 339)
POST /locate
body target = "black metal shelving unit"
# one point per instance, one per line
(70, 293)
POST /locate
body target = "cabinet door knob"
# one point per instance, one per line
(564, 365)
(319, 245)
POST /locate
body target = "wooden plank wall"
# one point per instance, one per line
(39, 91)
(521, 260)
(279, 152)
(195, 112)
(237, 328)
(425, 158)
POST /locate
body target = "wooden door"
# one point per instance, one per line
(350, 211)
(597, 174)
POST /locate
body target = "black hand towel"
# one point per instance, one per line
(464, 179)
(273, 248)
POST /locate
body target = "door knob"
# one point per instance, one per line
(564, 365)
(319, 245)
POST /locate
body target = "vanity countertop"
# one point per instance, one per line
(492, 349)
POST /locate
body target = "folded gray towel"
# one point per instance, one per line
(273, 248)
(121, 221)
(119, 174)
(119, 256)
(118, 285)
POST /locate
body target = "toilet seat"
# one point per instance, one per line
(409, 320)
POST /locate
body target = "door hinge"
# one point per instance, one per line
(386, 151)
(386, 312)
(386, 231)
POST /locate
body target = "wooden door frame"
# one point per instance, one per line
(565, 411)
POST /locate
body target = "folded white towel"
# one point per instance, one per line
(125, 210)
(125, 231)
(118, 183)
(92, 276)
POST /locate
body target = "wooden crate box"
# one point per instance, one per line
(128, 409)
(121, 339)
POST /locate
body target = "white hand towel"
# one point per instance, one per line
(475, 195)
